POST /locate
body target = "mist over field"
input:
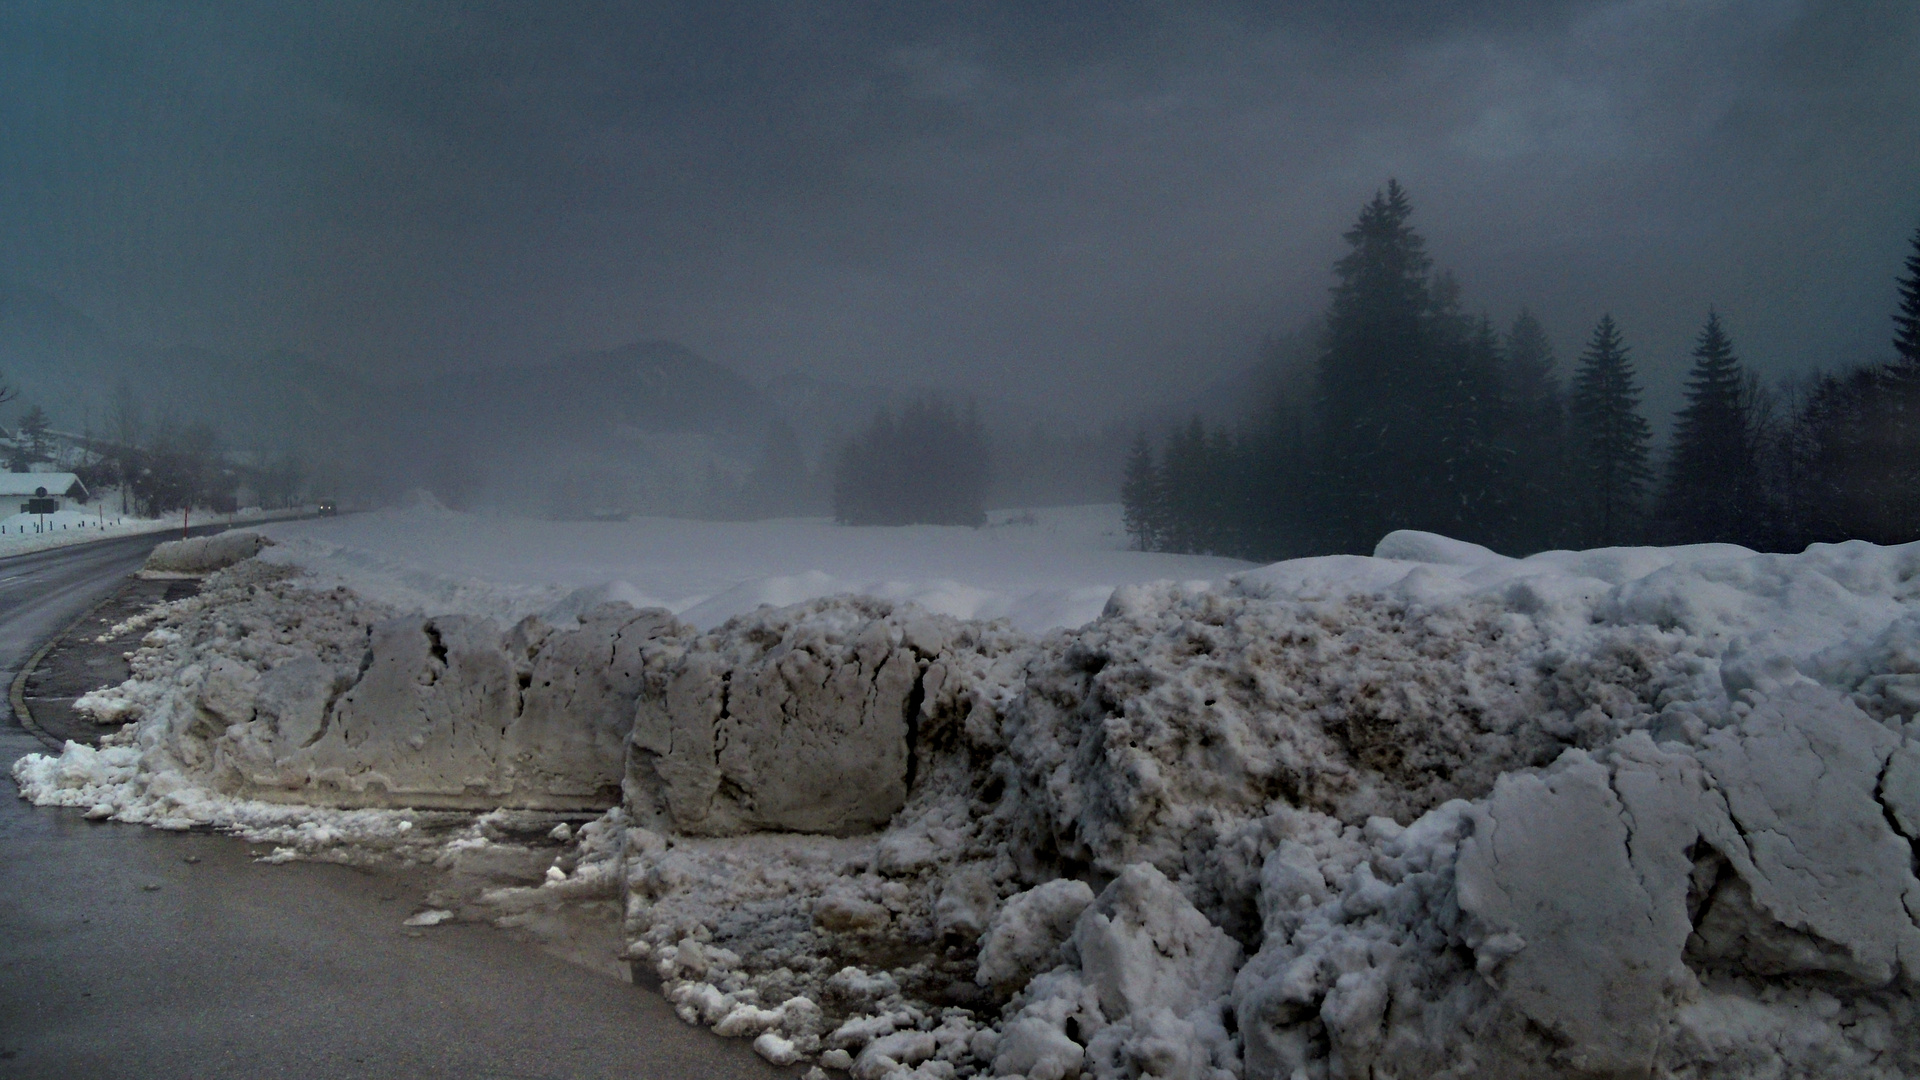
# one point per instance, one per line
(1193, 541)
(605, 259)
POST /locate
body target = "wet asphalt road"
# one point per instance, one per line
(119, 957)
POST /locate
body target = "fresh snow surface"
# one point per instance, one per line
(1057, 570)
(1629, 813)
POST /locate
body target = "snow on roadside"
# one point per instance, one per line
(22, 534)
(1636, 812)
(138, 773)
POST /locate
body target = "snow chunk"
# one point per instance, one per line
(798, 718)
(1161, 973)
(1025, 936)
(205, 554)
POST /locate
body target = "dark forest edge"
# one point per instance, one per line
(1425, 417)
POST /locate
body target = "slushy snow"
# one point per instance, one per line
(1436, 813)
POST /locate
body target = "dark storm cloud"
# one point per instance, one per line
(1031, 198)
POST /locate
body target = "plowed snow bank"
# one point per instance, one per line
(1639, 812)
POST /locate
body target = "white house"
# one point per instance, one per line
(27, 488)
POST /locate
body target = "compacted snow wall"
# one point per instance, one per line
(1627, 813)
(205, 554)
(265, 690)
(448, 711)
(801, 719)
(1605, 814)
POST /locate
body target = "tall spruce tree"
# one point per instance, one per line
(1897, 420)
(1187, 485)
(32, 441)
(1536, 437)
(1477, 482)
(1708, 495)
(1375, 381)
(1610, 438)
(1140, 496)
(1852, 446)
(1906, 321)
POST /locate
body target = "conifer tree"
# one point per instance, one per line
(1186, 487)
(1226, 478)
(1708, 495)
(1536, 437)
(1610, 440)
(32, 443)
(1473, 492)
(1906, 321)
(1886, 465)
(1376, 388)
(1140, 496)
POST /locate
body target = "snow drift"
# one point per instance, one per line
(1053, 567)
(204, 554)
(1635, 812)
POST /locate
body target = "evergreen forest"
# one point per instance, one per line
(1423, 416)
(927, 466)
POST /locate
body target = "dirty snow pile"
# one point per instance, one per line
(266, 690)
(1630, 812)
(1434, 813)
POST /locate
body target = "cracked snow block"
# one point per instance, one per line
(1601, 891)
(448, 712)
(1900, 789)
(424, 723)
(579, 689)
(1825, 882)
(799, 719)
(227, 692)
(203, 554)
(1582, 920)
(291, 703)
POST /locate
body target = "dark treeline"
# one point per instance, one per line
(929, 465)
(168, 466)
(1426, 417)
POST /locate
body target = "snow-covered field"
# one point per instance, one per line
(1434, 813)
(1039, 569)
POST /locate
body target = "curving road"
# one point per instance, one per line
(127, 952)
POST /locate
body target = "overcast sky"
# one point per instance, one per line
(1101, 200)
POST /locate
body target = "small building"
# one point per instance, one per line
(40, 492)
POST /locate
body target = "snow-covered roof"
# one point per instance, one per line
(13, 484)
